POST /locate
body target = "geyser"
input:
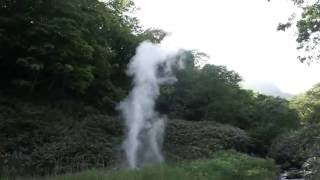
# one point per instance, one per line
(150, 67)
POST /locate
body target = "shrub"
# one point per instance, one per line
(69, 137)
(232, 165)
(91, 143)
(187, 140)
(42, 139)
(293, 149)
(224, 166)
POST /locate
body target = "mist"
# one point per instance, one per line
(150, 67)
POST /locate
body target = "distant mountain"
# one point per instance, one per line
(267, 88)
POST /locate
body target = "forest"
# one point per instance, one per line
(63, 72)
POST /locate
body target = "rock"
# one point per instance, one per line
(293, 174)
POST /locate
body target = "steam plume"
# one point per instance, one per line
(150, 67)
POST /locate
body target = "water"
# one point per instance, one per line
(150, 67)
(286, 176)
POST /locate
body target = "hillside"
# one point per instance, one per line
(86, 93)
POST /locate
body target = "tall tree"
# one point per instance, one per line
(308, 27)
(308, 105)
(77, 46)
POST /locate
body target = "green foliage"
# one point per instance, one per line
(155, 35)
(187, 140)
(296, 147)
(308, 26)
(308, 105)
(42, 139)
(213, 93)
(224, 166)
(77, 47)
(232, 165)
(68, 136)
(308, 33)
(271, 117)
(202, 93)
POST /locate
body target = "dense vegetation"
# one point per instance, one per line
(213, 93)
(308, 105)
(224, 166)
(62, 72)
(301, 148)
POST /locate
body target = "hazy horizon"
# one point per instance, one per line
(241, 35)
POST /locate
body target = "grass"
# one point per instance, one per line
(224, 166)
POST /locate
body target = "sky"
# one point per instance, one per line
(241, 35)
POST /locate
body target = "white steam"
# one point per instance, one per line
(150, 67)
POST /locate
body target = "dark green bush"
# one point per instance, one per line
(231, 165)
(293, 149)
(42, 139)
(228, 165)
(91, 143)
(69, 137)
(186, 140)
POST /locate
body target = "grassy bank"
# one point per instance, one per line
(224, 166)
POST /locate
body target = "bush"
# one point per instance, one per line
(69, 137)
(91, 143)
(42, 139)
(224, 166)
(232, 165)
(293, 149)
(187, 140)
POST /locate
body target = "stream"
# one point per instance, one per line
(293, 174)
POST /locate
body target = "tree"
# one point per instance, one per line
(308, 105)
(213, 93)
(272, 116)
(308, 27)
(308, 33)
(77, 47)
(199, 90)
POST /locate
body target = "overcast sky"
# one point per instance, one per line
(239, 34)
